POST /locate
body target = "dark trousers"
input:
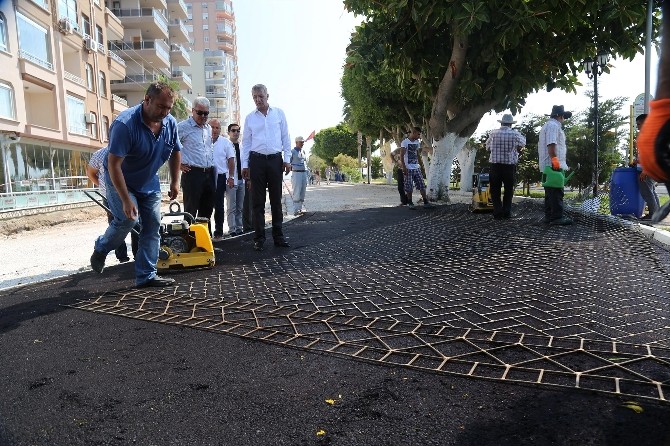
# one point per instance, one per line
(219, 202)
(502, 175)
(247, 210)
(401, 187)
(198, 190)
(553, 203)
(265, 172)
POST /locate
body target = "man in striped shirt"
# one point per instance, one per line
(504, 144)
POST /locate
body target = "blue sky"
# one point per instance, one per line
(297, 48)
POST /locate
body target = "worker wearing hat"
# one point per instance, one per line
(298, 176)
(504, 144)
(552, 152)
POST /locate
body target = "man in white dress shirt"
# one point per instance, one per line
(266, 153)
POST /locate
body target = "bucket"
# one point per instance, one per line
(625, 198)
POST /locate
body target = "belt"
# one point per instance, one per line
(298, 170)
(198, 168)
(262, 155)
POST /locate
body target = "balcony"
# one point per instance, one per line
(216, 94)
(133, 83)
(71, 31)
(117, 66)
(178, 32)
(118, 104)
(216, 81)
(113, 25)
(156, 4)
(228, 47)
(224, 14)
(177, 9)
(179, 56)
(34, 69)
(151, 22)
(39, 9)
(155, 52)
(75, 84)
(217, 57)
(184, 80)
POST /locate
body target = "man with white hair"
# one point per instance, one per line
(198, 183)
(298, 176)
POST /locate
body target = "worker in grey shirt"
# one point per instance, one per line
(298, 176)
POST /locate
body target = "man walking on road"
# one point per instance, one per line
(141, 139)
(266, 152)
(298, 176)
(235, 188)
(504, 144)
(409, 163)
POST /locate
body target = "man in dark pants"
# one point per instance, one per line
(247, 211)
(197, 164)
(552, 151)
(400, 177)
(266, 154)
(504, 144)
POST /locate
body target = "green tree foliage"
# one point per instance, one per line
(376, 167)
(330, 142)
(466, 58)
(348, 165)
(315, 163)
(179, 109)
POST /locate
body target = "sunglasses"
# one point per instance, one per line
(201, 113)
(235, 130)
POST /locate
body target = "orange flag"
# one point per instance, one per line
(311, 135)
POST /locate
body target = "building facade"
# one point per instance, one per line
(69, 68)
(212, 31)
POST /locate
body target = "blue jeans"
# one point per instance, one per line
(149, 207)
(235, 202)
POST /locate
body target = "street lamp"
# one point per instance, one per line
(594, 68)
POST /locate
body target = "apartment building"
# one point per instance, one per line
(154, 44)
(69, 68)
(55, 99)
(212, 30)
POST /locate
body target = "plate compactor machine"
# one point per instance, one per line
(185, 240)
(481, 194)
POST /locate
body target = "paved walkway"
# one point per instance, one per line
(526, 307)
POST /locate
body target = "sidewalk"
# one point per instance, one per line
(380, 325)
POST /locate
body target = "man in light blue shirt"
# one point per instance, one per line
(266, 152)
(198, 180)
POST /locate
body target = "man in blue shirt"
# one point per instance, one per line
(141, 139)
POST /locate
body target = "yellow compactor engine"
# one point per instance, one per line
(185, 241)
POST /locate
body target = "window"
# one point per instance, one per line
(105, 128)
(86, 24)
(3, 32)
(205, 16)
(93, 126)
(102, 83)
(7, 109)
(100, 38)
(89, 76)
(34, 42)
(75, 115)
(206, 39)
(203, 5)
(205, 27)
(68, 9)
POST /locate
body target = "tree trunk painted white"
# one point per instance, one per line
(426, 153)
(387, 161)
(444, 152)
(466, 159)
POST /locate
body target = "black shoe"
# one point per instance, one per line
(281, 243)
(157, 282)
(124, 259)
(98, 261)
(258, 246)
